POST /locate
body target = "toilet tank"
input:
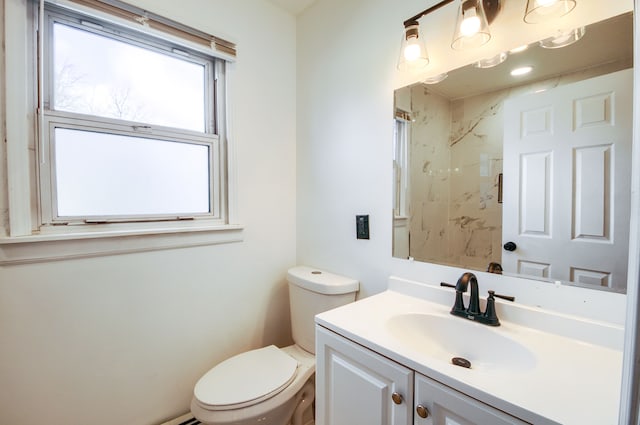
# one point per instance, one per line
(313, 291)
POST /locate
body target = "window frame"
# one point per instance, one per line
(60, 120)
(401, 145)
(51, 119)
(23, 237)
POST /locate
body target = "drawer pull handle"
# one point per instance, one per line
(422, 411)
(397, 398)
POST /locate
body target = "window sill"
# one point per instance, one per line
(82, 244)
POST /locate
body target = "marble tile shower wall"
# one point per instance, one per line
(456, 151)
(429, 163)
(475, 220)
(455, 163)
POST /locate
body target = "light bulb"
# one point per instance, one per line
(412, 50)
(471, 23)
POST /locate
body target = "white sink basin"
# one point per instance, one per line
(445, 336)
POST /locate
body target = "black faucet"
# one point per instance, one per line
(473, 312)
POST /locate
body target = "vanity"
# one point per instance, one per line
(387, 359)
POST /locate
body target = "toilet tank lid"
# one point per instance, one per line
(320, 281)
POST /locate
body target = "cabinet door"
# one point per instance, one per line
(355, 386)
(446, 406)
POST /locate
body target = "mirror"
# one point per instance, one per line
(526, 176)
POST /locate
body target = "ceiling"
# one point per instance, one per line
(605, 42)
(294, 7)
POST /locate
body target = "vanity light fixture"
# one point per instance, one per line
(413, 54)
(544, 10)
(563, 38)
(492, 61)
(472, 30)
(472, 27)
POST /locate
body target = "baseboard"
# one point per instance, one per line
(186, 419)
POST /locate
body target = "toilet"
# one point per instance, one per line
(271, 385)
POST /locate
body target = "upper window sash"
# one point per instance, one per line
(53, 16)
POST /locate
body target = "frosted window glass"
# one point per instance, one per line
(101, 76)
(99, 174)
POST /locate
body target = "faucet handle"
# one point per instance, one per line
(458, 308)
(490, 317)
(504, 297)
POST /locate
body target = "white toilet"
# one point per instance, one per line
(270, 385)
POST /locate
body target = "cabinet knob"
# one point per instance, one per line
(422, 411)
(397, 398)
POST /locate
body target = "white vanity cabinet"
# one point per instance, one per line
(356, 386)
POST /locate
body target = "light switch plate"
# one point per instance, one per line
(362, 226)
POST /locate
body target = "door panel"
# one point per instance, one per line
(355, 386)
(567, 188)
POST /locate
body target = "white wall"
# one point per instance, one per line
(347, 53)
(123, 339)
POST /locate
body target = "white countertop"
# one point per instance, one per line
(573, 380)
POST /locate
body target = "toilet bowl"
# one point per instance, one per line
(233, 396)
(271, 385)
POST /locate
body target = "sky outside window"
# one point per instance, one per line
(101, 76)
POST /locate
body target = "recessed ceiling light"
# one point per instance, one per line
(435, 79)
(521, 71)
(563, 38)
(492, 61)
(519, 49)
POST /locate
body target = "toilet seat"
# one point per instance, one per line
(246, 379)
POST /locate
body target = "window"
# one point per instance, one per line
(122, 132)
(400, 164)
(129, 126)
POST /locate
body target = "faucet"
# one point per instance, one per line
(473, 312)
(474, 301)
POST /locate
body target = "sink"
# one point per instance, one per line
(444, 337)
